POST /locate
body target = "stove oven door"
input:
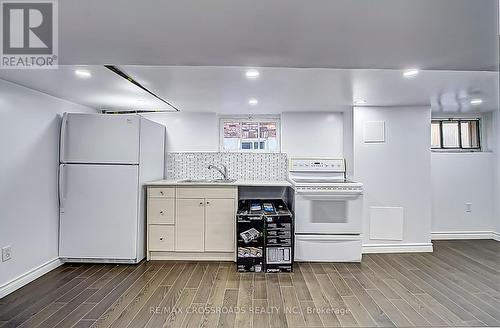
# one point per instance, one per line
(323, 213)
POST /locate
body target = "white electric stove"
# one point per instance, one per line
(328, 211)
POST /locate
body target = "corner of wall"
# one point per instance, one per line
(29, 276)
(30, 124)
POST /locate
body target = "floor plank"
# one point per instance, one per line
(275, 301)
(293, 312)
(362, 316)
(320, 300)
(228, 316)
(388, 307)
(140, 300)
(457, 285)
(415, 303)
(42, 315)
(260, 317)
(170, 299)
(216, 298)
(336, 302)
(260, 289)
(245, 297)
(118, 307)
(378, 315)
(206, 283)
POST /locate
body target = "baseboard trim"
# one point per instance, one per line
(191, 256)
(397, 248)
(495, 236)
(28, 277)
(450, 235)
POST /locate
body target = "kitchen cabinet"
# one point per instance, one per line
(191, 222)
(161, 237)
(217, 229)
(189, 227)
(161, 211)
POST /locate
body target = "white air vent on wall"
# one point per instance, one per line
(386, 223)
(374, 132)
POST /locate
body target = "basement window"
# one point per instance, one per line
(455, 135)
(250, 134)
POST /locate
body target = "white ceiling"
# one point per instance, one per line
(394, 34)
(104, 90)
(226, 90)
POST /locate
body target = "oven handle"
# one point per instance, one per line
(324, 196)
(327, 239)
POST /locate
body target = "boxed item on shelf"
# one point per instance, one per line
(264, 236)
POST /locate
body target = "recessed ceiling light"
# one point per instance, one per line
(83, 73)
(360, 102)
(476, 101)
(252, 74)
(253, 101)
(411, 72)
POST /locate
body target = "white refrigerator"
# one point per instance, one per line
(104, 161)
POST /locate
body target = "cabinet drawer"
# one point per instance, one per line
(161, 211)
(161, 238)
(206, 192)
(164, 192)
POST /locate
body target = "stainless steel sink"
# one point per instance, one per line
(207, 181)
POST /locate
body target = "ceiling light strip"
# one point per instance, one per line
(127, 77)
(134, 111)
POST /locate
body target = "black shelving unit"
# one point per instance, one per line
(250, 239)
(264, 236)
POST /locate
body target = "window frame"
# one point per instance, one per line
(250, 119)
(459, 122)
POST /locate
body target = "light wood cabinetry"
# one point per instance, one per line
(161, 211)
(216, 228)
(191, 223)
(189, 227)
(161, 237)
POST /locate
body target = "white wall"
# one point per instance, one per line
(457, 179)
(29, 210)
(312, 134)
(187, 132)
(302, 133)
(396, 173)
(496, 128)
(460, 178)
(348, 146)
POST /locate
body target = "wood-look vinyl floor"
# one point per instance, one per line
(457, 285)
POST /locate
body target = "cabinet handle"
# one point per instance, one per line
(201, 203)
(161, 193)
(208, 203)
(161, 238)
(161, 212)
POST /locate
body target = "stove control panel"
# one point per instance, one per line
(317, 165)
(329, 189)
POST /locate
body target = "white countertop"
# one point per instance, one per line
(257, 183)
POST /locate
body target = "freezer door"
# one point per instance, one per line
(100, 139)
(98, 211)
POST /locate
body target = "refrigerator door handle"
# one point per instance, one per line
(61, 186)
(62, 137)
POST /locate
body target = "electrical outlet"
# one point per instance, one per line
(6, 253)
(468, 207)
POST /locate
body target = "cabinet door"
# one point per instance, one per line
(189, 225)
(161, 211)
(161, 237)
(219, 225)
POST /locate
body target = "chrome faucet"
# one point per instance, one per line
(223, 172)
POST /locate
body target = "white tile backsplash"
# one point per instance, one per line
(241, 166)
